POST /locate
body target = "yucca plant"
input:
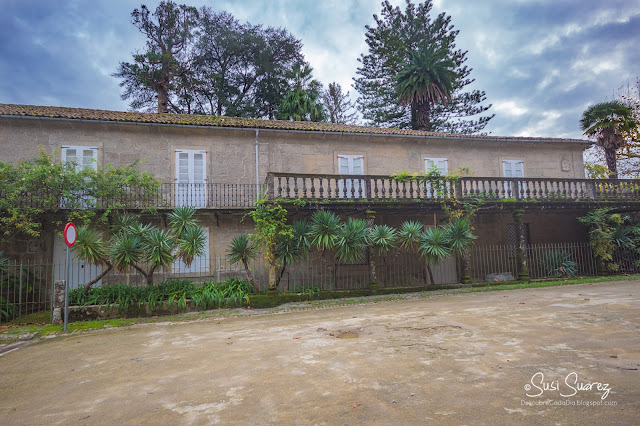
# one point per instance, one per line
(460, 237)
(559, 263)
(144, 247)
(352, 240)
(434, 247)
(293, 247)
(324, 230)
(241, 250)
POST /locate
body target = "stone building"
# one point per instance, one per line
(218, 164)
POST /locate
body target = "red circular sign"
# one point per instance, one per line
(70, 234)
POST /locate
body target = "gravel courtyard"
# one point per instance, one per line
(449, 359)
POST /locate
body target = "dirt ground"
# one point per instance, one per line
(452, 359)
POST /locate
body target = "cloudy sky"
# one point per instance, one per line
(541, 62)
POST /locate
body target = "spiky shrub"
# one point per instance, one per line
(383, 239)
(7, 310)
(352, 240)
(559, 263)
(242, 250)
(410, 235)
(324, 230)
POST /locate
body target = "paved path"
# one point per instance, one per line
(452, 359)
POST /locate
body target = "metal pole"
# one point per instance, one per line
(257, 177)
(66, 292)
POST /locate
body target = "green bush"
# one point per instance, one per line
(559, 263)
(208, 295)
(7, 310)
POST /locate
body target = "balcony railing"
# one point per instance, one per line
(384, 188)
(166, 196)
(340, 188)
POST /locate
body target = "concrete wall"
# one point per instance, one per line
(231, 155)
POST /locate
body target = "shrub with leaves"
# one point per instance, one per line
(143, 247)
(559, 263)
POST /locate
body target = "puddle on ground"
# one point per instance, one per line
(347, 335)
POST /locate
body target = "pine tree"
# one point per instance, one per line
(393, 41)
(339, 108)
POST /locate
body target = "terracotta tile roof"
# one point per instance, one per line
(238, 122)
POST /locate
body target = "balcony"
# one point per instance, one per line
(384, 189)
(354, 189)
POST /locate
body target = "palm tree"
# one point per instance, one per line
(302, 103)
(143, 247)
(427, 78)
(606, 122)
(241, 250)
(460, 237)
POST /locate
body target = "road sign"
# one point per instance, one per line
(70, 234)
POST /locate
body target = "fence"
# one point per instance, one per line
(26, 287)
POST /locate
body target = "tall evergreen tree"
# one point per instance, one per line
(338, 106)
(608, 122)
(153, 75)
(393, 40)
(424, 81)
(302, 103)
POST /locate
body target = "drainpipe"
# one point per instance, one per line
(257, 177)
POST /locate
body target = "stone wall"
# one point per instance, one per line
(231, 154)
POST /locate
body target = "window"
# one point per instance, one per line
(442, 165)
(513, 169)
(84, 157)
(351, 165)
(191, 178)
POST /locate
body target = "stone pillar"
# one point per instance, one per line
(370, 216)
(521, 246)
(58, 301)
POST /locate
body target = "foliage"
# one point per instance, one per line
(338, 106)
(241, 250)
(207, 62)
(43, 190)
(396, 36)
(154, 74)
(607, 123)
(425, 80)
(143, 247)
(352, 240)
(238, 69)
(559, 263)
(228, 293)
(383, 239)
(609, 232)
(302, 103)
(595, 170)
(8, 310)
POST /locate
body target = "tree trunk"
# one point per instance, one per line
(249, 275)
(610, 157)
(430, 274)
(163, 99)
(282, 271)
(465, 261)
(88, 285)
(272, 276)
(423, 116)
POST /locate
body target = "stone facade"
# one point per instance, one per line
(231, 152)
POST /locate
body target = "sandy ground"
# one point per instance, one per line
(452, 359)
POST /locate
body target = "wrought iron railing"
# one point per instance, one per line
(165, 196)
(381, 188)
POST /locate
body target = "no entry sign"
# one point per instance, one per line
(70, 234)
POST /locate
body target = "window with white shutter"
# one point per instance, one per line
(442, 165)
(351, 165)
(84, 157)
(191, 178)
(513, 169)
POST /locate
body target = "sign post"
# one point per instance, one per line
(70, 234)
